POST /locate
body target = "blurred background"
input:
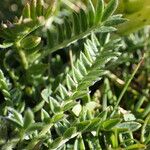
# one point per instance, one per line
(10, 8)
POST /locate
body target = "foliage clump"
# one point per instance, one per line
(68, 80)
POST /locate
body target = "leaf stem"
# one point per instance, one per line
(126, 85)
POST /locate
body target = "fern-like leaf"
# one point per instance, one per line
(81, 24)
(86, 71)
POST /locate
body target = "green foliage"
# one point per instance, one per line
(65, 79)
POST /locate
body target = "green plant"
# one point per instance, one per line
(58, 82)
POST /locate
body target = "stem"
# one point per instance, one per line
(127, 85)
(118, 82)
(146, 111)
(143, 128)
(141, 101)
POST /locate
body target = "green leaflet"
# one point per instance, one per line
(30, 42)
(26, 11)
(28, 118)
(99, 10)
(131, 126)
(109, 10)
